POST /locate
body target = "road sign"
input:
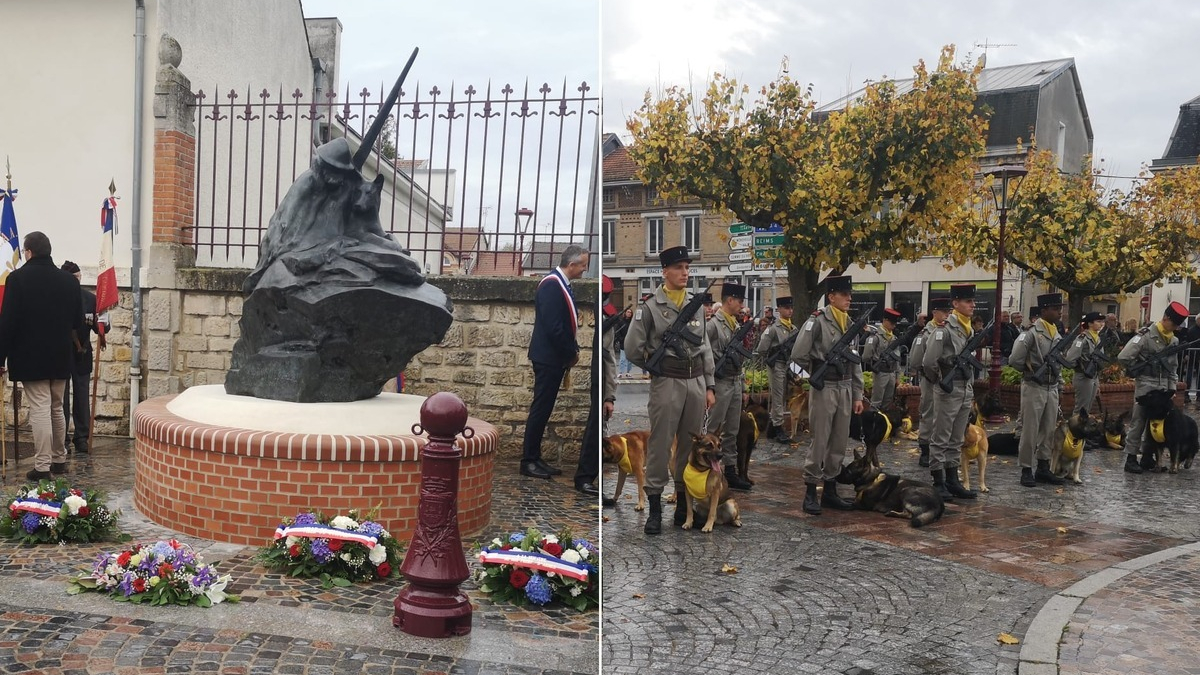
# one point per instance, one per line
(740, 256)
(762, 284)
(769, 240)
(1145, 302)
(740, 267)
(740, 242)
(760, 266)
(740, 228)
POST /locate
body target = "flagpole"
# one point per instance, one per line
(16, 392)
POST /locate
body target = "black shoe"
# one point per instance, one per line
(38, 475)
(772, 431)
(924, 460)
(608, 501)
(939, 484)
(831, 498)
(532, 470)
(1131, 464)
(955, 487)
(783, 437)
(587, 489)
(654, 516)
(1043, 474)
(58, 467)
(552, 470)
(1027, 479)
(735, 481)
(812, 505)
(680, 509)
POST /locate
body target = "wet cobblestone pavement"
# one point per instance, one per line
(282, 624)
(862, 594)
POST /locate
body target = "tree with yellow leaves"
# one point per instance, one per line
(872, 183)
(1068, 230)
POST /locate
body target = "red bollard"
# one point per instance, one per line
(430, 604)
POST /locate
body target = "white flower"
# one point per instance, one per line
(378, 554)
(344, 523)
(571, 556)
(575, 591)
(551, 539)
(33, 494)
(496, 543)
(292, 541)
(551, 574)
(216, 592)
(584, 553)
(346, 557)
(74, 503)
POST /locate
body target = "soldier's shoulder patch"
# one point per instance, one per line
(937, 334)
(637, 314)
(1078, 342)
(1136, 339)
(808, 325)
(1022, 336)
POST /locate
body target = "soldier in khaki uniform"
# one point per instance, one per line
(1039, 400)
(609, 369)
(1079, 353)
(950, 409)
(775, 335)
(1146, 343)
(829, 409)
(727, 412)
(940, 308)
(886, 370)
(684, 389)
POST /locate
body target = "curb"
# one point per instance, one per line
(1039, 651)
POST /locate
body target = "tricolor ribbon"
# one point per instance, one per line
(542, 562)
(38, 506)
(567, 296)
(325, 532)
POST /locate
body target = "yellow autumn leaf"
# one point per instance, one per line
(1062, 530)
(728, 569)
(639, 596)
(1007, 639)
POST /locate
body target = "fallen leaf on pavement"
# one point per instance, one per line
(729, 569)
(639, 596)
(1062, 530)
(1007, 639)
(1098, 470)
(604, 519)
(1059, 491)
(1004, 461)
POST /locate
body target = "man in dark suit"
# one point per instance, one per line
(75, 399)
(553, 350)
(41, 313)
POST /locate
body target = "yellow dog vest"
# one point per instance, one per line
(887, 432)
(1114, 440)
(1072, 447)
(971, 451)
(906, 425)
(754, 423)
(624, 464)
(1156, 431)
(696, 481)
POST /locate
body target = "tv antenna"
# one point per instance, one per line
(987, 44)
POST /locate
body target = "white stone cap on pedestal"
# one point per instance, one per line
(385, 415)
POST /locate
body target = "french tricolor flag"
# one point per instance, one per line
(106, 279)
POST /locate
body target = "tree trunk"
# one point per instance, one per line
(803, 283)
(1074, 311)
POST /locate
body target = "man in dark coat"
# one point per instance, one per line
(75, 399)
(553, 350)
(41, 312)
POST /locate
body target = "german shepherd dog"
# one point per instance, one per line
(707, 491)
(892, 496)
(755, 418)
(1179, 433)
(1066, 445)
(628, 452)
(797, 407)
(974, 449)
(1114, 430)
(873, 427)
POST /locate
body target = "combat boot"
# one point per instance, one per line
(772, 431)
(812, 505)
(1044, 474)
(924, 460)
(654, 517)
(735, 481)
(831, 498)
(939, 484)
(680, 508)
(1131, 464)
(1027, 477)
(955, 487)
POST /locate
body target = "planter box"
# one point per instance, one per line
(1114, 398)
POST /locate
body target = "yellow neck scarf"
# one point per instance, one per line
(1050, 328)
(842, 318)
(729, 320)
(888, 334)
(676, 297)
(695, 481)
(786, 323)
(965, 320)
(1095, 335)
(1161, 331)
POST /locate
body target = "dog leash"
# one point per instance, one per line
(704, 423)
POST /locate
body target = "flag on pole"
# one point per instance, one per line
(10, 241)
(106, 277)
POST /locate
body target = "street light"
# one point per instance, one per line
(1002, 177)
(527, 214)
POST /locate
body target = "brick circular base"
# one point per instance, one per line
(236, 485)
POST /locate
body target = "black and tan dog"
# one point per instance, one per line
(892, 496)
(1066, 445)
(1114, 430)
(1167, 427)
(873, 427)
(628, 452)
(706, 488)
(755, 418)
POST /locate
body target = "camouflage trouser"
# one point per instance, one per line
(676, 411)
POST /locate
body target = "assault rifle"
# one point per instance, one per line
(734, 347)
(1053, 362)
(782, 350)
(840, 353)
(1091, 366)
(676, 334)
(965, 362)
(1143, 366)
(891, 352)
(616, 321)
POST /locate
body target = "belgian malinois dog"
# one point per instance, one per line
(707, 490)
(892, 496)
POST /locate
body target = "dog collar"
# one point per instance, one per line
(624, 464)
(695, 480)
(1156, 431)
(1072, 447)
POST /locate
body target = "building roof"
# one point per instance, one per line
(1010, 91)
(498, 264)
(619, 166)
(460, 240)
(544, 256)
(1184, 145)
(610, 142)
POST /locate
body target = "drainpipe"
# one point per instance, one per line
(139, 96)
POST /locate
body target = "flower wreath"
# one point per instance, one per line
(51, 511)
(338, 550)
(162, 573)
(532, 567)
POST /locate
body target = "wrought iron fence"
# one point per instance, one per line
(491, 181)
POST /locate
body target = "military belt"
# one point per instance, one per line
(680, 369)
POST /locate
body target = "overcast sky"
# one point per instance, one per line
(1136, 59)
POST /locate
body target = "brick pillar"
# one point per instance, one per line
(174, 150)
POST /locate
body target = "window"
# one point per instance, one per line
(1061, 146)
(610, 197)
(654, 235)
(691, 233)
(651, 196)
(608, 238)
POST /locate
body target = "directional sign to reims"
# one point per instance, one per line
(740, 256)
(769, 240)
(740, 228)
(740, 242)
(740, 267)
